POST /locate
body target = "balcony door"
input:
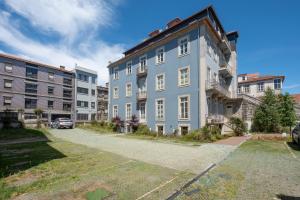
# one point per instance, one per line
(142, 111)
(142, 85)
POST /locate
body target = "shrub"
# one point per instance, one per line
(215, 130)
(118, 124)
(143, 130)
(205, 134)
(134, 123)
(94, 123)
(237, 126)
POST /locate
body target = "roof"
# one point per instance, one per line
(202, 14)
(13, 57)
(261, 78)
(296, 98)
(83, 69)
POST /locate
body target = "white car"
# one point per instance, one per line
(62, 123)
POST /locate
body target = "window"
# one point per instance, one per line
(67, 106)
(277, 84)
(83, 77)
(184, 107)
(243, 78)
(128, 68)
(160, 55)
(93, 105)
(183, 46)
(160, 82)
(184, 76)
(82, 117)
(93, 92)
(116, 73)
(115, 111)
(31, 88)
(7, 83)
(183, 129)
(30, 103)
(142, 108)
(83, 104)
(247, 88)
(128, 89)
(116, 93)
(143, 62)
(67, 81)
(93, 79)
(239, 89)
(128, 111)
(8, 67)
(7, 101)
(31, 72)
(261, 87)
(51, 76)
(81, 90)
(67, 93)
(50, 90)
(160, 129)
(160, 104)
(50, 104)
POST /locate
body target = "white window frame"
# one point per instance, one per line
(280, 84)
(116, 95)
(8, 86)
(188, 109)
(129, 68)
(7, 99)
(140, 113)
(128, 93)
(181, 125)
(157, 82)
(128, 113)
(6, 65)
(261, 86)
(116, 73)
(115, 114)
(188, 46)
(140, 59)
(188, 77)
(159, 124)
(244, 89)
(160, 57)
(163, 110)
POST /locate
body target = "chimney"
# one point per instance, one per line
(154, 33)
(62, 67)
(173, 22)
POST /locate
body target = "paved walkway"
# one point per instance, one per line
(234, 141)
(175, 156)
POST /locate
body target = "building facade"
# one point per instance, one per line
(102, 102)
(180, 78)
(255, 85)
(85, 94)
(27, 85)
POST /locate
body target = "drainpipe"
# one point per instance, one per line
(198, 61)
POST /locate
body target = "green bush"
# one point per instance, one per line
(237, 125)
(205, 134)
(143, 130)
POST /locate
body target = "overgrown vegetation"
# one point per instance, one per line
(237, 125)
(100, 127)
(274, 113)
(205, 134)
(38, 112)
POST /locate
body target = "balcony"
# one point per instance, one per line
(217, 88)
(226, 70)
(141, 96)
(215, 119)
(141, 71)
(225, 45)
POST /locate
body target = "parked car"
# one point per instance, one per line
(62, 123)
(296, 134)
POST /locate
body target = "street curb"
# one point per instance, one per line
(178, 192)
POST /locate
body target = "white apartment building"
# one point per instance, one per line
(85, 94)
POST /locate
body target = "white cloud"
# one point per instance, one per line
(90, 53)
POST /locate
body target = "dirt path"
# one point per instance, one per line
(179, 157)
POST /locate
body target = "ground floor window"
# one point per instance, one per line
(93, 116)
(160, 129)
(115, 111)
(184, 129)
(82, 117)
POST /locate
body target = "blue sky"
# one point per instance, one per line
(92, 32)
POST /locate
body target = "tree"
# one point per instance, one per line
(267, 117)
(118, 124)
(38, 112)
(237, 126)
(287, 112)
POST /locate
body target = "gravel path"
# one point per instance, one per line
(180, 157)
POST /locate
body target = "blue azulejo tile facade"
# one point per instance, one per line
(179, 79)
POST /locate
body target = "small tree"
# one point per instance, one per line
(266, 117)
(237, 126)
(133, 123)
(118, 124)
(287, 112)
(38, 112)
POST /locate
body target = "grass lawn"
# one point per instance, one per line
(57, 169)
(257, 170)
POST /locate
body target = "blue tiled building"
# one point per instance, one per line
(180, 78)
